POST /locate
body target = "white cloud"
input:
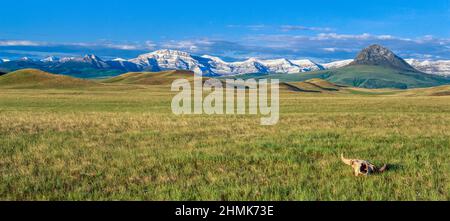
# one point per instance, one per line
(150, 45)
(180, 45)
(256, 27)
(196, 45)
(127, 47)
(385, 37)
(18, 43)
(282, 28)
(329, 36)
(338, 49)
(330, 49)
(303, 28)
(122, 46)
(81, 44)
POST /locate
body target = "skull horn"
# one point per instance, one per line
(384, 168)
(346, 161)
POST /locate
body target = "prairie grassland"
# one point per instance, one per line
(125, 144)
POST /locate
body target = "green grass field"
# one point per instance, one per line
(122, 142)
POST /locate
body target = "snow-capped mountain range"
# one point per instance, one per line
(210, 65)
(439, 67)
(214, 66)
(178, 60)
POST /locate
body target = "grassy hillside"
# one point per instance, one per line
(432, 91)
(32, 78)
(284, 77)
(73, 69)
(316, 85)
(151, 78)
(365, 76)
(382, 77)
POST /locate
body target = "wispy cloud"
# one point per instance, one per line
(123, 46)
(282, 28)
(254, 27)
(150, 45)
(287, 28)
(364, 36)
(19, 43)
(188, 45)
(339, 49)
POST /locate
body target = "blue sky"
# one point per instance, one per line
(321, 30)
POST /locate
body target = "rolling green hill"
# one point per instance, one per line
(32, 78)
(315, 85)
(151, 78)
(365, 76)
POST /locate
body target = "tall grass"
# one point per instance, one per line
(127, 145)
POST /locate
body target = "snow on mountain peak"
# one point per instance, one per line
(50, 59)
(277, 61)
(252, 59)
(303, 62)
(119, 59)
(213, 58)
(171, 52)
(337, 64)
(307, 65)
(92, 57)
(439, 67)
(160, 54)
(281, 65)
(170, 59)
(67, 59)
